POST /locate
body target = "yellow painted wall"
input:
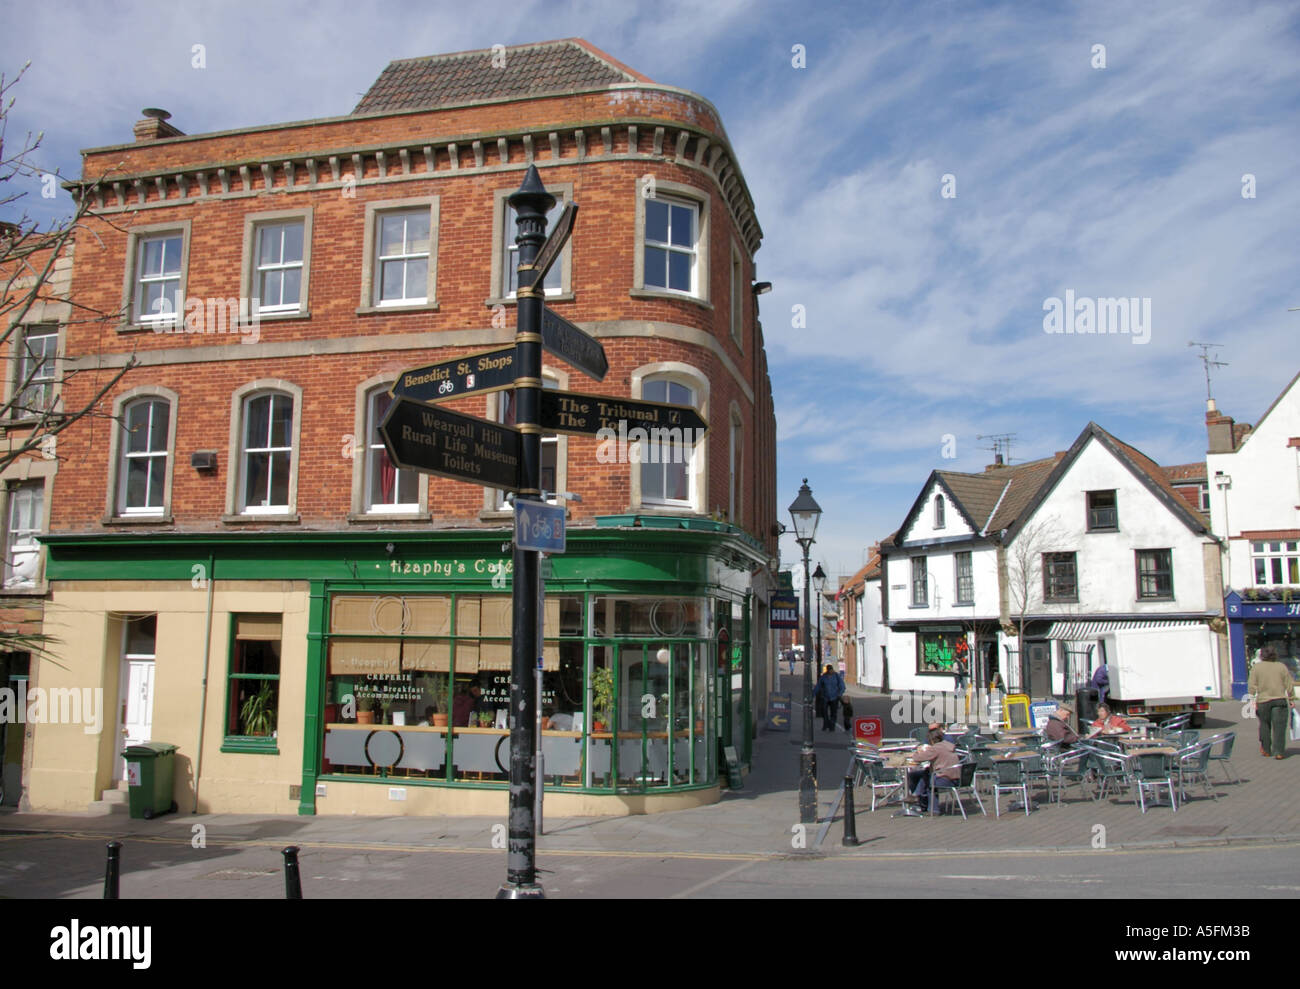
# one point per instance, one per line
(70, 768)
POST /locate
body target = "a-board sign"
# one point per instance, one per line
(735, 780)
(779, 705)
(1016, 711)
(630, 419)
(473, 374)
(562, 339)
(868, 730)
(435, 440)
(1040, 711)
(783, 611)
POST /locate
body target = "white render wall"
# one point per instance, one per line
(1107, 565)
(1265, 491)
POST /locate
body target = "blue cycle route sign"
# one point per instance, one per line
(539, 526)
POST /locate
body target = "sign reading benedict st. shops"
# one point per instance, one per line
(473, 374)
(435, 440)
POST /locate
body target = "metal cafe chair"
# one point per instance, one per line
(884, 778)
(1224, 756)
(1193, 765)
(1070, 767)
(1177, 723)
(1153, 770)
(1036, 771)
(1111, 768)
(1011, 776)
(982, 756)
(966, 784)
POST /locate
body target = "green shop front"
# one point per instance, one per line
(370, 672)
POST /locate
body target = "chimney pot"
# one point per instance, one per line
(154, 126)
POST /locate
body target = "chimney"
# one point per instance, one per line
(154, 126)
(1221, 432)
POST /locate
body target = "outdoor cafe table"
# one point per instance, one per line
(902, 762)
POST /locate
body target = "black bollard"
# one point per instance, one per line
(112, 869)
(850, 821)
(292, 881)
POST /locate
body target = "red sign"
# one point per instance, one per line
(868, 730)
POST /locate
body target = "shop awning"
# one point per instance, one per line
(1087, 631)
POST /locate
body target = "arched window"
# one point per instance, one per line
(938, 512)
(387, 488)
(666, 459)
(142, 469)
(266, 456)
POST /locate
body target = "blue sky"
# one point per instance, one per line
(924, 312)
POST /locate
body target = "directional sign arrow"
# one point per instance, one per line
(569, 343)
(586, 415)
(555, 242)
(488, 370)
(435, 440)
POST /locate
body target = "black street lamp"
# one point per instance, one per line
(806, 513)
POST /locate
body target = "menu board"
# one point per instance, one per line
(1016, 707)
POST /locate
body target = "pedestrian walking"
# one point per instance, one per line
(1274, 690)
(1101, 683)
(830, 688)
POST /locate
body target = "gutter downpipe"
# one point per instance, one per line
(203, 702)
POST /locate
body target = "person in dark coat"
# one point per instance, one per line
(830, 688)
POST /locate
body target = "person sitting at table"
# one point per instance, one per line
(428, 717)
(944, 763)
(1107, 723)
(1058, 727)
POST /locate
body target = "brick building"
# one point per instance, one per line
(244, 573)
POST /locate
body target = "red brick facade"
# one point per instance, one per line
(607, 143)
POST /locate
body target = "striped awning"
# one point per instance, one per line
(1088, 631)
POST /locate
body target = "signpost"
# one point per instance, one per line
(586, 415)
(562, 339)
(434, 440)
(473, 374)
(424, 436)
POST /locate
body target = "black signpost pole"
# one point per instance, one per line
(531, 202)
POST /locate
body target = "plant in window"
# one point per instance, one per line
(602, 697)
(486, 719)
(257, 715)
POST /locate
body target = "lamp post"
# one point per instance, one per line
(806, 513)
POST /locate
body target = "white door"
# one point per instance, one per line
(137, 707)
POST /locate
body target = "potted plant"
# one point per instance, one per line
(486, 719)
(258, 712)
(602, 697)
(366, 711)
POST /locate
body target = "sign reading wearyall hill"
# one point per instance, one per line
(435, 440)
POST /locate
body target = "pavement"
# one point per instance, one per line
(756, 823)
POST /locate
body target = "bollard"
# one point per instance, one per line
(292, 881)
(850, 822)
(111, 870)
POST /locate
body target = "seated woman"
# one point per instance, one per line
(1107, 723)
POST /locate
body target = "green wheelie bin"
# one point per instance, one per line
(150, 769)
